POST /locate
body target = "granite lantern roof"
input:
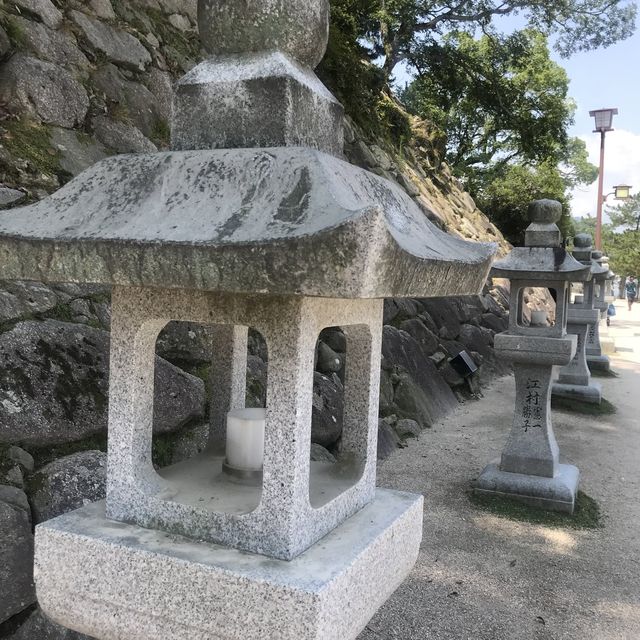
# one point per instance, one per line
(543, 257)
(278, 220)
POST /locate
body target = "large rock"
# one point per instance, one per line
(54, 384)
(118, 46)
(122, 137)
(59, 47)
(77, 151)
(38, 627)
(10, 197)
(67, 484)
(327, 412)
(43, 89)
(19, 299)
(418, 330)
(420, 393)
(133, 100)
(44, 10)
(16, 553)
(446, 314)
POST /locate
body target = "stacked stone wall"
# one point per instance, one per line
(83, 80)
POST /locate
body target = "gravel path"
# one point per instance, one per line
(481, 577)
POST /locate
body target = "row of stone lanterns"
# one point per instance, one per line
(529, 469)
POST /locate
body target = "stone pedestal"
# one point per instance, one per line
(112, 580)
(596, 360)
(529, 469)
(574, 380)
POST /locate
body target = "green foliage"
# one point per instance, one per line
(347, 68)
(586, 515)
(505, 198)
(497, 99)
(605, 408)
(578, 25)
(31, 141)
(620, 237)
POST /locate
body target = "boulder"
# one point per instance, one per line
(334, 337)
(67, 484)
(328, 361)
(327, 409)
(133, 100)
(117, 46)
(420, 393)
(44, 10)
(477, 339)
(445, 313)
(320, 454)
(22, 298)
(77, 151)
(418, 330)
(54, 385)
(58, 47)
(10, 197)
(44, 90)
(388, 440)
(495, 323)
(122, 137)
(103, 9)
(406, 428)
(185, 344)
(16, 553)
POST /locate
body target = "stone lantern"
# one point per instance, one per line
(529, 469)
(596, 360)
(574, 379)
(252, 220)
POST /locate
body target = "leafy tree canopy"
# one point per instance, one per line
(626, 214)
(498, 99)
(578, 25)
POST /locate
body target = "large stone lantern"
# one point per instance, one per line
(574, 379)
(529, 469)
(252, 220)
(596, 359)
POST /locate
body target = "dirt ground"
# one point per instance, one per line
(484, 577)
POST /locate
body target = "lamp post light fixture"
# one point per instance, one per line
(622, 192)
(603, 121)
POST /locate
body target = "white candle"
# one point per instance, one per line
(245, 439)
(539, 318)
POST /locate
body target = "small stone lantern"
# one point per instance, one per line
(596, 360)
(574, 379)
(529, 469)
(252, 220)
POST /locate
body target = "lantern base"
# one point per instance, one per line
(251, 477)
(590, 393)
(554, 494)
(598, 363)
(112, 580)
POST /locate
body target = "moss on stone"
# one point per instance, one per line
(601, 373)
(161, 133)
(48, 453)
(31, 141)
(605, 408)
(587, 514)
(15, 32)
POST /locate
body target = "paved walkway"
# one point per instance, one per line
(481, 577)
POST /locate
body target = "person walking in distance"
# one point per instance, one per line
(631, 289)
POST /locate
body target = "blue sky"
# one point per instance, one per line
(608, 78)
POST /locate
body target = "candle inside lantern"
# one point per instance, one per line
(245, 439)
(539, 318)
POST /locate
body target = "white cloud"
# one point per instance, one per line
(621, 166)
